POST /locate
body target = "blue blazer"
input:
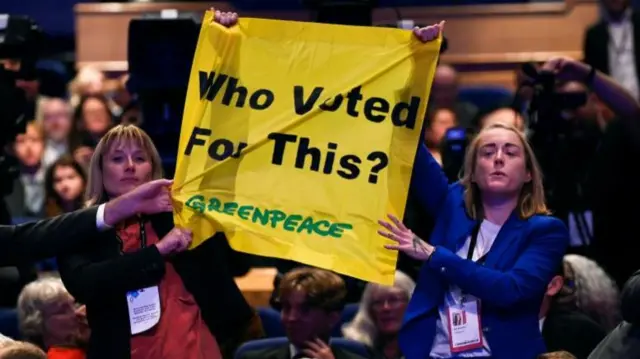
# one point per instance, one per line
(510, 284)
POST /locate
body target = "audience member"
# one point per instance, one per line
(92, 119)
(55, 116)
(50, 318)
(438, 122)
(21, 350)
(596, 293)
(64, 183)
(611, 46)
(444, 94)
(563, 325)
(380, 315)
(557, 355)
(504, 115)
(624, 340)
(27, 198)
(312, 301)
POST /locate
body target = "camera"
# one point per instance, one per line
(20, 39)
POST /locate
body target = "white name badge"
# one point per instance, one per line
(464, 327)
(144, 309)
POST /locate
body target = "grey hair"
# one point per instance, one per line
(596, 293)
(362, 328)
(33, 298)
(5, 341)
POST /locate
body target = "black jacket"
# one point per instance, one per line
(283, 352)
(47, 238)
(99, 275)
(596, 44)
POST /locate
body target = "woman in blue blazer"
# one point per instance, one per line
(490, 257)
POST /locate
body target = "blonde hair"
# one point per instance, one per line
(531, 200)
(362, 328)
(95, 192)
(22, 350)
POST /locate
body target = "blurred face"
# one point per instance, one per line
(504, 116)
(615, 7)
(441, 122)
(125, 166)
(302, 322)
(444, 91)
(96, 116)
(387, 309)
(500, 163)
(65, 323)
(588, 111)
(56, 120)
(29, 147)
(67, 183)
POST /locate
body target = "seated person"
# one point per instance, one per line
(21, 350)
(438, 122)
(504, 115)
(624, 340)
(557, 355)
(312, 301)
(563, 325)
(380, 315)
(597, 295)
(49, 318)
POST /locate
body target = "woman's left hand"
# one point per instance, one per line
(429, 33)
(406, 241)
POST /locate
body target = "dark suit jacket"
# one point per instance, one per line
(596, 44)
(283, 352)
(99, 275)
(622, 343)
(46, 238)
(571, 330)
(630, 299)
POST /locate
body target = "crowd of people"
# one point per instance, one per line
(500, 263)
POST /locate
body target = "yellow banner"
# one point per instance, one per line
(297, 137)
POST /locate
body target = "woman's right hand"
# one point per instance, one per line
(175, 241)
(226, 19)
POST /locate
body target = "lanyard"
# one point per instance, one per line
(472, 245)
(143, 234)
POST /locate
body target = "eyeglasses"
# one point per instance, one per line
(391, 302)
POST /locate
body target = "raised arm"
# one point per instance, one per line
(65, 233)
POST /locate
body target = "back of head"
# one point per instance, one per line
(322, 289)
(21, 350)
(557, 355)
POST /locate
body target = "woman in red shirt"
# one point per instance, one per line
(144, 299)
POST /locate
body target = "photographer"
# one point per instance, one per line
(587, 161)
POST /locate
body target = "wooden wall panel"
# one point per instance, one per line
(485, 42)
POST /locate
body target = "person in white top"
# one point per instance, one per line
(491, 255)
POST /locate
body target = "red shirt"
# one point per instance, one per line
(65, 353)
(181, 332)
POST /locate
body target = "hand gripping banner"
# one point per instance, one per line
(297, 137)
